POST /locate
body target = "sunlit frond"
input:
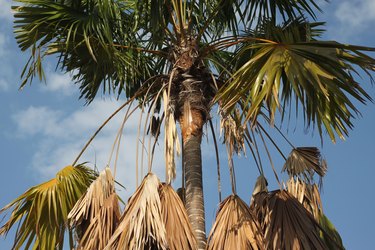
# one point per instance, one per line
(96, 213)
(286, 224)
(286, 9)
(41, 212)
(94, 40)
(304, 162)
(308, 195)
(315, 75)
(178, 229)
(235, 227)
(102, 226)
(141, 226)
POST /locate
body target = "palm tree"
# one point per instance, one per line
(254, 60)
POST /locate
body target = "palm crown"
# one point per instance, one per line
(255, 60)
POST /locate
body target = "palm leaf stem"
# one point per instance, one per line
(136, 95)
(217, 159)
(272, 140)
(257, 163)
(269, 157)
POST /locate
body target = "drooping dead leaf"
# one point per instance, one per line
(304, 161)
(102, 226)
(307, 194)
(179, 232)
(235, 227)
(285, 222)
(88, 206)
(141, 226)
(96, 213)
(171, 141)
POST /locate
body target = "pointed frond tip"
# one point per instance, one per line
(141, 226)
(87, 207)
(179, 232)
(316, 76)
(235, 227)
(96, 214)
(304, 161)
(41, 212)
(286, 224)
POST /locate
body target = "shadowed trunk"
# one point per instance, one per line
(192, 163)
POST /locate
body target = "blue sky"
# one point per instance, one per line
(43, 127)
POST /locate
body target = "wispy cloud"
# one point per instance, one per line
(4, 85)
(356, 13)
(354, 16)
(58, 138)
(5, 10)
(3, 44)
(58, 82)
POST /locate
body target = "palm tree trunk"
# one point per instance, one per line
(192, 163)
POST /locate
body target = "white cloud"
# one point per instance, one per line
(4, 85)
(3, 44)
(40, 121)
(355, 15)
(58, 138)
(58, 82)
(5, 10)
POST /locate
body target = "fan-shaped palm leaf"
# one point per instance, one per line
(96, 213)
(285, 222)
(287, 9)
(141, 226)
(235, 227)
(317, 75)
(179, 233)
(307, 194)
(42, 211)
(94, 39)
(102, 226)
(303, 162)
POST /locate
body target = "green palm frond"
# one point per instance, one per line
(94, 40)
(41, 212)
(331, 237)
(256, 11)
(315, 75)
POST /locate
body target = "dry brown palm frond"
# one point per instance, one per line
(96, 214)
(304, 161)
(141, 227)
(307, 194)
(171, 142)
(102, 227)
(285, 222)
(88, 206)
(233, 132)
(260, 185)
(235, 227)
(179, 232)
